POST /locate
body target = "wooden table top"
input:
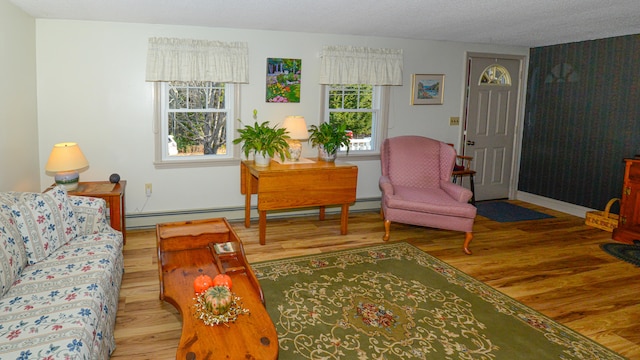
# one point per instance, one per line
(314, 164)
(251, 336)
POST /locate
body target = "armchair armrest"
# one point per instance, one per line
(91, 215)
(456, 191)
(385, 185)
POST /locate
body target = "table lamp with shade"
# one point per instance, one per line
(65, 161)
(297, 130)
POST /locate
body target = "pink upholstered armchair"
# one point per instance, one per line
(417, 189)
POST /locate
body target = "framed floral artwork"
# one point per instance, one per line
(427, 89)
(283, 80)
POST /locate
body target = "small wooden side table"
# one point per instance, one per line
(113, 196)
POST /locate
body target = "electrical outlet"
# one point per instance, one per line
(147, 189)
(454, 120)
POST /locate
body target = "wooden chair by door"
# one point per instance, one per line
(461, 169)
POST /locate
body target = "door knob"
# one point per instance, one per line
(471, 143)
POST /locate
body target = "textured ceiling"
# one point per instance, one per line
(529, 23)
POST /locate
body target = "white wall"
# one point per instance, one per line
(91, 90)
(18, 120)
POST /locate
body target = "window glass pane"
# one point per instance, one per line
(350, 99)
(366, 95)
(177, 97)
(335, 99)
(197, 98)
(216, 100)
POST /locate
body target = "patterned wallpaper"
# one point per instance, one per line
(582, 119)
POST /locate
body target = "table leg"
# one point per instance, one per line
(344, 219)
(247, 197)
(115, 213)
(247, 210)
(262, 225)
(122, 218)
(321, 214)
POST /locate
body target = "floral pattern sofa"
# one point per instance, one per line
(61, 268)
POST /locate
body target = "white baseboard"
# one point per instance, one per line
(149, 220)
(553, 204)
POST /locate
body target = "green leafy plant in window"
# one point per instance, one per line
(329, 137)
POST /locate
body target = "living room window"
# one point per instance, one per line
(360, 107)
(356, 83)
(195, 123)
(196, 92)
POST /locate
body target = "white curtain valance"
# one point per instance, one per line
(171, 59)
(361, 65)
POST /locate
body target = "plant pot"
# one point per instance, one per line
(325, 156)
(261, 159)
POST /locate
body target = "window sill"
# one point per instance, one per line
(194, 163)
(358, 157)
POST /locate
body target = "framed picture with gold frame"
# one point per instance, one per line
(427, 89)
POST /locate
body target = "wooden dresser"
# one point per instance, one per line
(629, 221)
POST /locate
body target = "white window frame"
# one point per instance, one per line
(379, 123)
(161, 131)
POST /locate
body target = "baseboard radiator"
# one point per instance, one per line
(149, 220)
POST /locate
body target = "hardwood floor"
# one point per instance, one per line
(553, 265)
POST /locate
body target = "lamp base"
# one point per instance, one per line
(68, 180)
(295, 149)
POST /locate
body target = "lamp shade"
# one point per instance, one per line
(297, 127)
(66, 157)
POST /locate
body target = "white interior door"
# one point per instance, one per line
(492, 111)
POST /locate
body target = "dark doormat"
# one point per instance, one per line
(502, 211)
(626, 252)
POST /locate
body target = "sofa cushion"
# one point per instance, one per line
(12, 254)
(90, 215)
(46, 221)
(436, 201)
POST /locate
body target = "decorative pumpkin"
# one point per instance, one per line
(217, 299)
(202, 283)
(222, 280)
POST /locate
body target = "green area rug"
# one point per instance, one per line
(394, 301)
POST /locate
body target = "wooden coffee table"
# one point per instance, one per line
(185, 250)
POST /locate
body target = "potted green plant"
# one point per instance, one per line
(264, 141)
(329, 137)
